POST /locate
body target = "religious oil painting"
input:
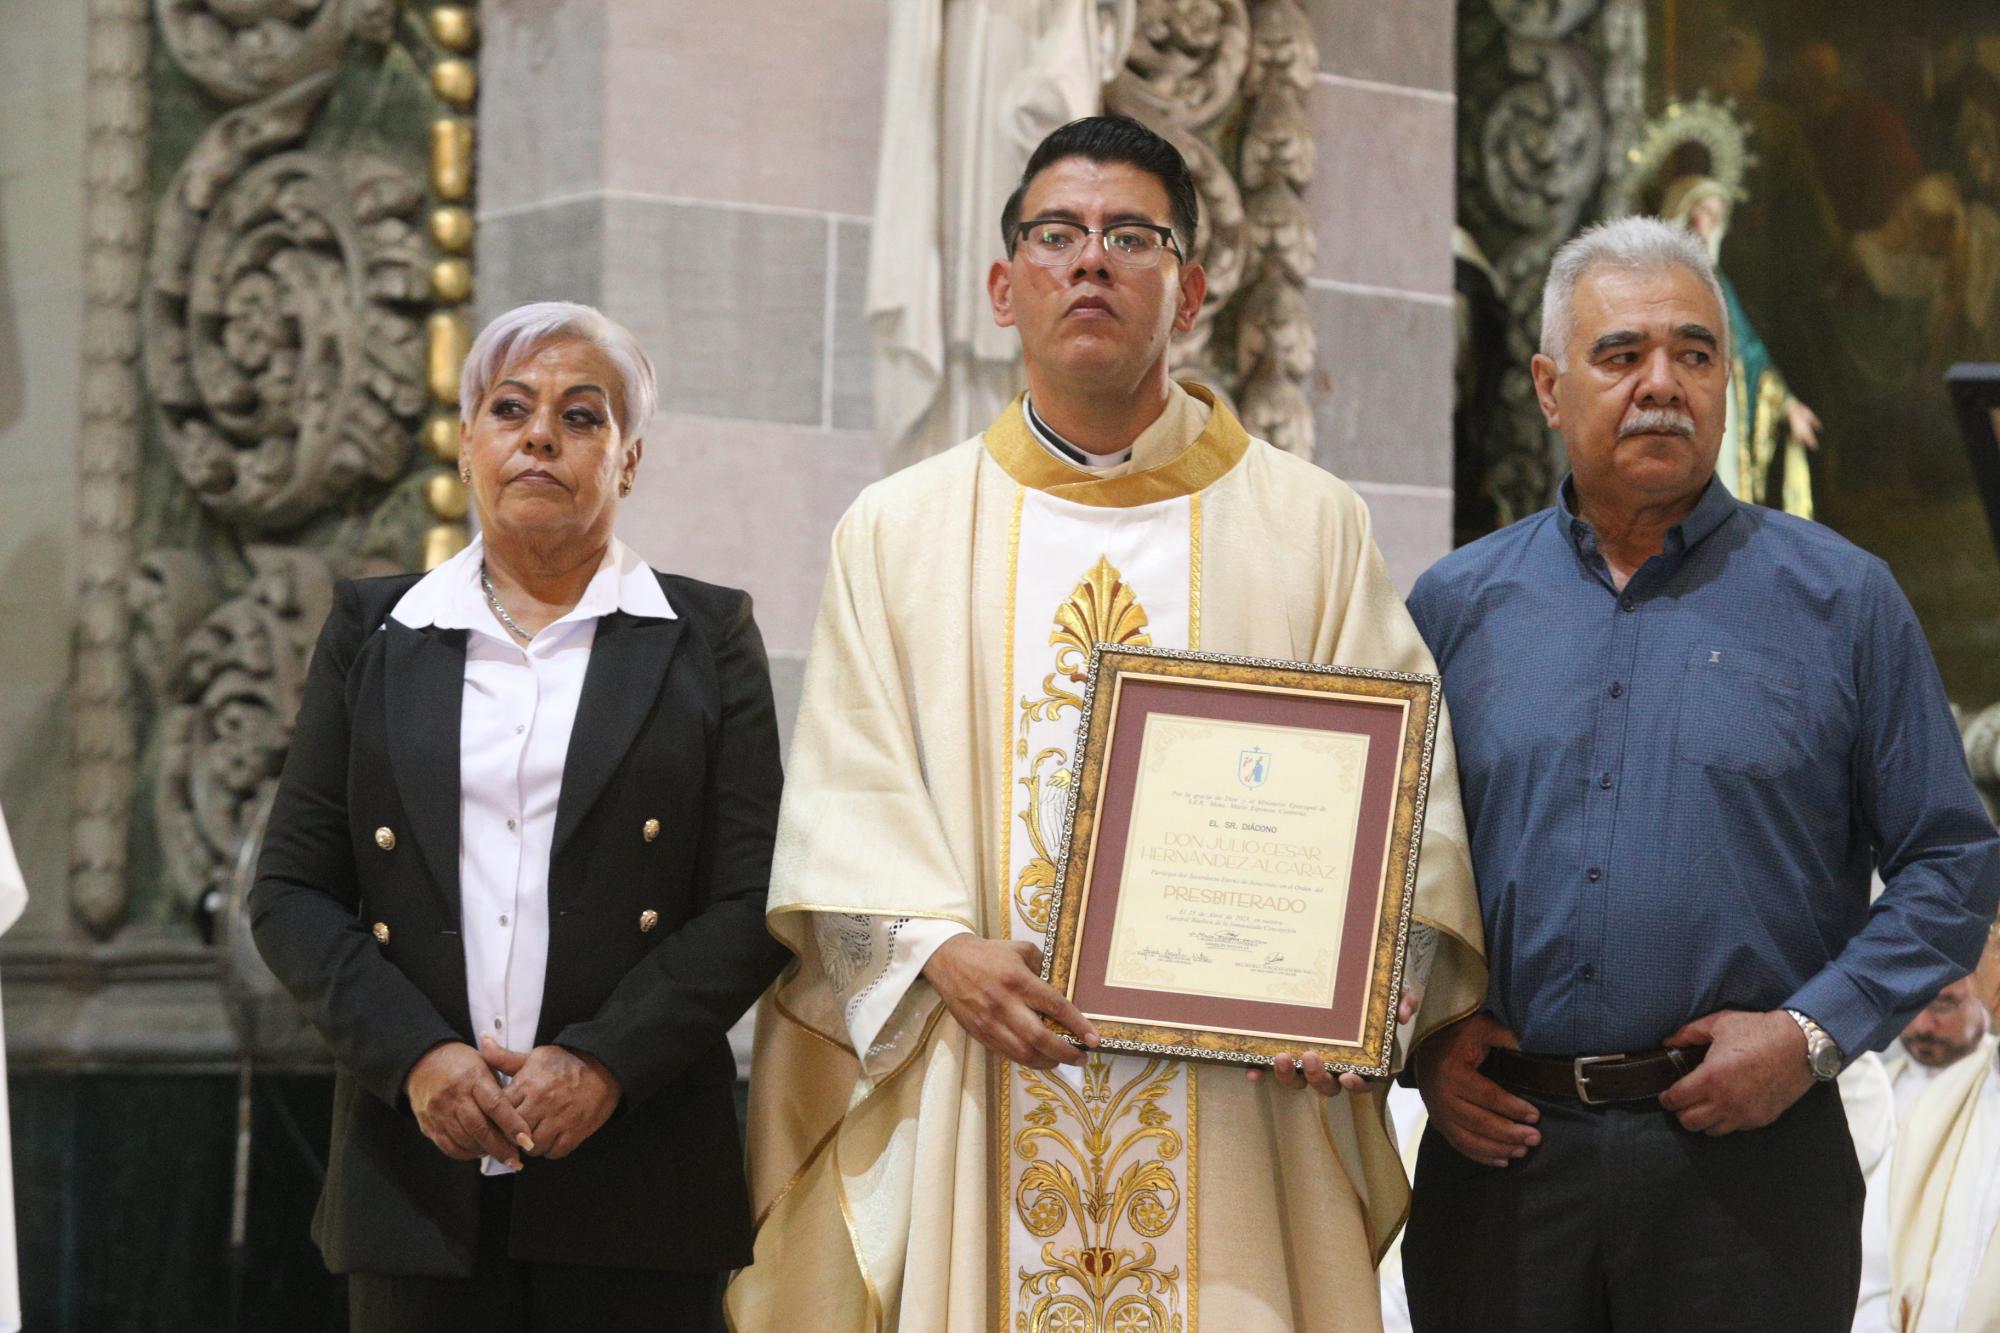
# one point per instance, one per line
(1852, 153)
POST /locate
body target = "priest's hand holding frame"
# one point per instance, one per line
(994, 988)
(1312, 1071)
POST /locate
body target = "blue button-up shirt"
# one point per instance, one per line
(1676, 791)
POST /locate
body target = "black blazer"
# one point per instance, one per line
(675, 724)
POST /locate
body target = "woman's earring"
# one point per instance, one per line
(465, 475)
(624, 489)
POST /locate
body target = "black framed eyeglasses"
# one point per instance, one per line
(1056, 242)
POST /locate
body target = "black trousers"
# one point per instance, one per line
(1622, 1221)
(504, 1295)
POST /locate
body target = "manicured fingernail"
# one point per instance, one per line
(1519, 1153)
(527, 1144)
(1534, 1140)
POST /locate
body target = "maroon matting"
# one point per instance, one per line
(1382, 721)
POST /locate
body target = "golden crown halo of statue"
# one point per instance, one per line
(1697, 136)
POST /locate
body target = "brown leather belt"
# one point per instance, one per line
(1594, 1080)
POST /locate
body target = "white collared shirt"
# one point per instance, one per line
(1062, 450)
(515, 719)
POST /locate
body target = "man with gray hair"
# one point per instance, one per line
(1688, 730)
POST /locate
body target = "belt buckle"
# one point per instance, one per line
(1579, 1070)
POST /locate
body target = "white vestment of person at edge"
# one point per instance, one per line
(1944, 1203)
(13, 898)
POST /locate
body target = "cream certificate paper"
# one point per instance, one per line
(1237, 863)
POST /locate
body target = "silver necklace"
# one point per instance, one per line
(493, 600)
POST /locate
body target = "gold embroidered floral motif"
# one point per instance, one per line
(1048, 800)
(1095, 1165)
(1101, 610)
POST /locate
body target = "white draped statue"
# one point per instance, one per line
(973, 86)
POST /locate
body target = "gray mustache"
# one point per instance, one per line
(1657, 421)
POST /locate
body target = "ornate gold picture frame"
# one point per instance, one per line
(1239, 856)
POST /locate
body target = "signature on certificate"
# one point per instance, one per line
(1172, 957)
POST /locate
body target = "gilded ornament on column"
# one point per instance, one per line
(451, 159)
(456, 82)
(448, 338)
(452, 27)
(451, 229)
(443, 542)
(444, 495)
(451, 281)
(441, 438)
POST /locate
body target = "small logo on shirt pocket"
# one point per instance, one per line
(1741, 715)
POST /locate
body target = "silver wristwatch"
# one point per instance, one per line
(1823, 1054)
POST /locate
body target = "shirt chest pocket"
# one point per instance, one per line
(1742, 712)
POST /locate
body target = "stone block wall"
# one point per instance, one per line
(1381, 296)
(705, 177)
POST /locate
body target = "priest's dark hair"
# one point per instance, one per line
(1112, 139)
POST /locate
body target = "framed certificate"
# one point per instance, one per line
(1240, 855)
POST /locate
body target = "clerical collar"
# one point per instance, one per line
(1062, 448)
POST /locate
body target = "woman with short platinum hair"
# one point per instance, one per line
(515, 876)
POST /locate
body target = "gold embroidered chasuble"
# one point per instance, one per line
(924, 1183)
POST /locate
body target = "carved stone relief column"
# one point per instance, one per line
(1226, 81)
(259, 363)
(105, 738)
(285, 298)
(283, 342)
(1551, 95)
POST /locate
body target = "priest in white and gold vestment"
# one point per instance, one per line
(907, 1178)
(1944, 1203)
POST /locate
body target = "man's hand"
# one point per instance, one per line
(1755, 1068)
(461, 1109)
(562, 1095)
(1317, 1076)
(1477, 1116)
(995, 990)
